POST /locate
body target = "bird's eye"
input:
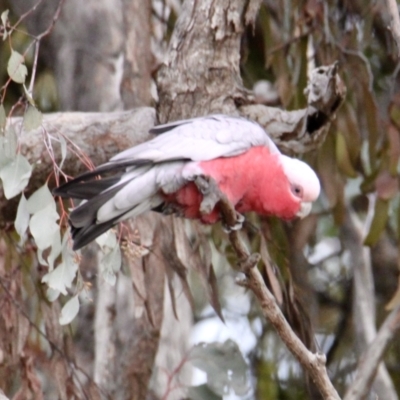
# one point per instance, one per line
(297, 190)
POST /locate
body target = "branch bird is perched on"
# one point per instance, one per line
(169, 171)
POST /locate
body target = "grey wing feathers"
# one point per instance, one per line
(130, 182)
(201, 139)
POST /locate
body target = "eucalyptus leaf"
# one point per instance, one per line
(4, 19)
(202, 392)
(110, 264)
(15, 176)
(3, 158)
(28, 96)
(43, 226)
(3, 117)
(224, 365)
(22, 219)
(16, 68)
(40, 199)
(107, 240)
(32, 118)
(379, 220)
(61, 277)
(69, 311)
(52, 295)
(55, 249)
(10, 143)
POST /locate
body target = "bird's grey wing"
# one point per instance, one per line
(200, 139)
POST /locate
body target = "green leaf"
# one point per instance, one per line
(69, 311)
(43, 226)
(224, 365)
(16, 68)
(40, 199)
(4, 19)
(62, 277)
(22, 219)
(15, 176)
(43, 207)
(3, 118)
(28, 96)
(32, 118)
(107, 240)
(343, 157)
(110, 264)
(52, 295)
(202, 392)
(10, 143)
(378, 223)
(55, 249)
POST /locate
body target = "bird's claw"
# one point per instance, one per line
(210, 191)
(238, 225)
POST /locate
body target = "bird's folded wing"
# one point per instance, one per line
(199, 139)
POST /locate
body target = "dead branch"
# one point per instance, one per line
(303, 130)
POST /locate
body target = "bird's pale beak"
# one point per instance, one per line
(305, 209)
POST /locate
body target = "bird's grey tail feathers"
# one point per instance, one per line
(95, 191)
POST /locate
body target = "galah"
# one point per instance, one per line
(161, 175)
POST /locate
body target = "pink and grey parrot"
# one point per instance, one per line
(161, 175)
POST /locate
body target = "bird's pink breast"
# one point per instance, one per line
(252, 181)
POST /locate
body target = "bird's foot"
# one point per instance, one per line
(237, 226)
(210, 191)
(172, 209)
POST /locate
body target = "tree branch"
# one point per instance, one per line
(98, 136)
(364, 306)
(313, 363)
(369, 363)
(303, 130)
(394, 22)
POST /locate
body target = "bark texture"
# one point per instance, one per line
(201, 73)
(98, 135)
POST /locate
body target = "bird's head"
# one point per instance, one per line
(304, 183)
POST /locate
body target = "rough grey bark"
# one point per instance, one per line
(98, 135)
(201, 72)
(201, 75)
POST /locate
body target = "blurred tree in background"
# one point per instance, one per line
(334, 274)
